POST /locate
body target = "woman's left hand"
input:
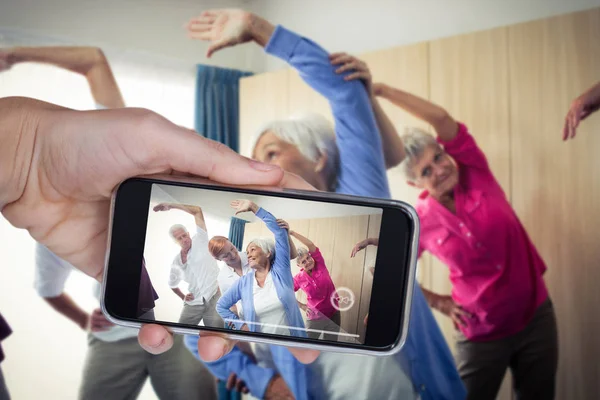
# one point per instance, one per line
(283, 224)
(350, 63)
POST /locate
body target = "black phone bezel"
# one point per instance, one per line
(390, 281)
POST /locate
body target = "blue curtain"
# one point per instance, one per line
(217, 118)
(236, 232)
(217, 104)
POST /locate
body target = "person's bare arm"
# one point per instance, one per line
(179, 293)
(65, 305)
(444, 125)
(87, 61)
(192, 210)
(393, 148)
(304, 240)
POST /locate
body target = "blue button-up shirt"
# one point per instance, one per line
(425, 357)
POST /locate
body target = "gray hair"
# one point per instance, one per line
(312, 134)
(301, 251)
(267, 246)
(174, 228)
(415, 141)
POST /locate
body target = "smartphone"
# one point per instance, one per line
(268, 265)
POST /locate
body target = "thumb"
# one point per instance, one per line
(218, 45)
(206, 158)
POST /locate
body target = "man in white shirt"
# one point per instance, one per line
(116, 367)
(195, 266)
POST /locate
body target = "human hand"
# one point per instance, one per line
(162, 207)
(235, 383)
(581, 108)
(98, 322)
(188, 297)
(360, 69)
(221, 28)
(75, 159)
(447, 306)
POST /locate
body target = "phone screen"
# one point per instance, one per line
(257, 264)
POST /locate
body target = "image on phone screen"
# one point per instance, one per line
(258, 264)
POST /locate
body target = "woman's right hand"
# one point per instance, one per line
(447, 306)
(359, 247)
(241, 206)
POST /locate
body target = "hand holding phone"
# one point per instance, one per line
(263, 282)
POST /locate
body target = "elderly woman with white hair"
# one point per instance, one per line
(499, 303)
(346, 159)
(266, 292)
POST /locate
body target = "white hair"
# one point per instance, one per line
(312, 134)
(176, 227)
(267, 246)
(301, 251)
(415, 141)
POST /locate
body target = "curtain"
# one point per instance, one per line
(217, 104)
(236, 232)
(217, 118)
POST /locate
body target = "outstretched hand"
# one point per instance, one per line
(581, 108)
(221, 28)
(6, 61)
(162, 207)
(241, 206)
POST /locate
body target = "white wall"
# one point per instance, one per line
(357, 26)
(218, 204)
(151, 27)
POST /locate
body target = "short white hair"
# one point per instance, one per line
(415, 141)
(267, 246)
(301, 252)
(312, 134)
(176, 227)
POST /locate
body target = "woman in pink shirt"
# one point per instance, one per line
(322, 306)
(499, 302)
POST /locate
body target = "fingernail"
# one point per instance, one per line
(257, 165)
(159, 344)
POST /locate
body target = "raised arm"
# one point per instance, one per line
(444, 125)
(358, 138)
(192, 210)
(282, 241)
(393, 150)
(304, 240)
(87, 61)
(293, 250)
(364, 244)
(581, 108)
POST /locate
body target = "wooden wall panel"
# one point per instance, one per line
(335, 237)
(469, 78)
(263, 98)
(556, 185)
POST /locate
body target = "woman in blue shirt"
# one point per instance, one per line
(267, 292)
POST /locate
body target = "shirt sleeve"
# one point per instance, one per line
(362, 168)
(51, 272)
(297, 282)
(175, 276)
(465, 150)
(256, 377)
(282, 243)
(228, 300)
(318, 257)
